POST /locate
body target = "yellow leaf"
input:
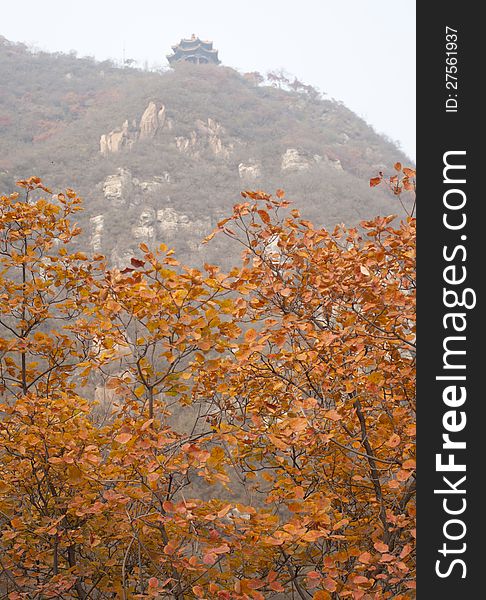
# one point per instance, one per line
(4, 487)
(139, 391)
(16, 523)
(74, 474)
(217, 455)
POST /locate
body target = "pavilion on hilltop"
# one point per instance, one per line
(195, 51)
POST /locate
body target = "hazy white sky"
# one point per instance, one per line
(359, 51)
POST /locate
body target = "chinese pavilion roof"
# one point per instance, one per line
(194, 50)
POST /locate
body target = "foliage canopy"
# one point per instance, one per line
(258, 426)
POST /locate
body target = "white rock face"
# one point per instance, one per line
(188, 145)
(112, 142)
(144, 230)
(210, 127)
(152, 119)
(120, 189)
(156, 184)
(97, 227)
(116, 140)
(300, 160)
(104, 148)
(207, 133)
(296, 160)
(249, 170)
(171, 223)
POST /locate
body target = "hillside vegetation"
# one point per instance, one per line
(223, 132)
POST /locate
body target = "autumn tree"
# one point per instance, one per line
(258, 437)
(44, 422)
(317, 403)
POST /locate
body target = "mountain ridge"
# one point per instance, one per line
(187, 141)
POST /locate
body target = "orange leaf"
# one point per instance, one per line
(16, 523)
(170, 548)
(333, 415)
(250, 335)
(409, 464)
(380, 546)
(397, 166)
(264, 216)
(276, 586)
(375, 181)
(221, 549)
(329, 584)
(123, 438)
(393, 441)
(403, 475)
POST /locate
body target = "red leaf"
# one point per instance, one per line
(136, 262)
